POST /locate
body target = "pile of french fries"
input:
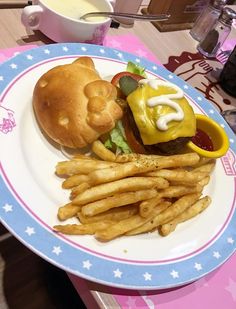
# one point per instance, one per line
(130, 194)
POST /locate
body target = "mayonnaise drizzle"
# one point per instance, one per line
(165, 99)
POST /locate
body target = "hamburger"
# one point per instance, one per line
(154, 117)
(75, 107)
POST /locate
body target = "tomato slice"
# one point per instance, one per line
(116, 78)
(131, 139)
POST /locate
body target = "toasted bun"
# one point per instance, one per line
(73, 105)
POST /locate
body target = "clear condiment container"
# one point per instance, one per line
(207, 19)
(218, 34)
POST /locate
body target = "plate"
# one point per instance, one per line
(31, 192)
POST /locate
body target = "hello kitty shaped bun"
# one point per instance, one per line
(73, 105)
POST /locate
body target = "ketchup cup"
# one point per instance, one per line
(215, 133)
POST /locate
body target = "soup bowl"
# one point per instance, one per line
(60, 20)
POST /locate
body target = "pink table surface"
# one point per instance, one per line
(216, 290)
(135, 46)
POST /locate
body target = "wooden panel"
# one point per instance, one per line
(183, 13)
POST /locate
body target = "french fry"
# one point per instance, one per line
(118, 186)
(146, 207)
(102, 152)
(156, 211)
(179, 175)
(205, 168)
(167, 215)
(115, 214)
(159, 207)
(204, 181)
(132, 193)
(179, 183)
(178, 207)
(178, 191)
(74, 181)
(117, 200)
(142, 166)
(203, 161)
(81, 166)
(159, 162)
(187, 159)
(189, 213)
(124, 226)
(119, 172)
(130, 157)
(79, 189)
(67, 211)
(120, 228)
(82, 229)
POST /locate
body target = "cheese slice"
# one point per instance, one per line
(146, 117)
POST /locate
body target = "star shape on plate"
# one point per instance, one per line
(147, 276)
(7, 207)
(216, 254)
(29, 230)
(230, 240)
(120, 55)
(117, 273)
(1, 78)
(29, 57)
(47, 51)
(87, 264)
(174, 274)
(57, 250)
(65, 48)
(198, 266)
(13, 66)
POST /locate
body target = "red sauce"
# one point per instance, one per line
(202, 140)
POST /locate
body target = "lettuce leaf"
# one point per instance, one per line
(136, 69)
(117, 139)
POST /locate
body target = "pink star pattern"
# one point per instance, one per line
(131, 302)
(115, 44)
(231, 288)
(141, 53)
(131, 44)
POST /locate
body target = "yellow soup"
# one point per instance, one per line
(74, 8)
